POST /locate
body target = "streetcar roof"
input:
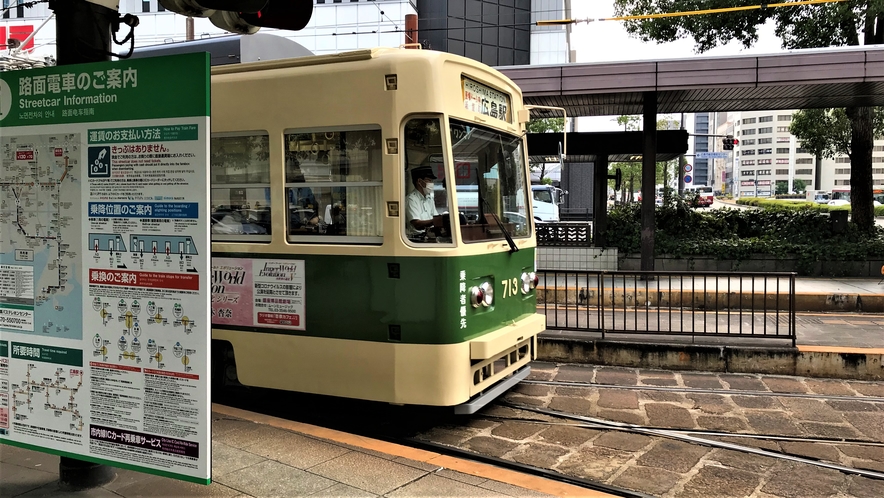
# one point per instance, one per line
(355, 55)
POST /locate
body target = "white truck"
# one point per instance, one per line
(546, 200)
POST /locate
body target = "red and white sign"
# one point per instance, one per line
(20, 33)
(24, 155)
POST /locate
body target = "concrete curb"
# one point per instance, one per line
(698, 299)
(807, 361)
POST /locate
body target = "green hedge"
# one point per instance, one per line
(801, 231)
(792, 205)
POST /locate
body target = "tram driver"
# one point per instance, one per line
(421, 205)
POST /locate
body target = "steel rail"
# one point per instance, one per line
(520, 467)
(697, 440)
(696, 390)
(701, 432)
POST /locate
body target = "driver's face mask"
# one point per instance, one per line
(428, 188)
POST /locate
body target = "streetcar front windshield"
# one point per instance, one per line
(491, 185)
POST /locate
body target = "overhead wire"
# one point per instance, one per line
(721, 10)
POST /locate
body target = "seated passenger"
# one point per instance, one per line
(420, 205)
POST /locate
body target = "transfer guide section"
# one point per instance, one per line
(104, 263)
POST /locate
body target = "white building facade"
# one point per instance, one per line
(336, 26)
(768, 155)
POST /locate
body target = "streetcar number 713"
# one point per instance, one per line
(510, 286)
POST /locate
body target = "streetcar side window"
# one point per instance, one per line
(426, 213)
(334, 188)
(240, 187)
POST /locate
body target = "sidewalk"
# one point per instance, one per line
(258, 455)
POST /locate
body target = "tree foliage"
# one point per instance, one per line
(798, 27)
(546, 125)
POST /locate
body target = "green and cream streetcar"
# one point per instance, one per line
(371, 227)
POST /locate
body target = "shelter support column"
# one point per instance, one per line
(649, 178)
(600, 201)
(83, 34)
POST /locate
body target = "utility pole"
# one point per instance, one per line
(83, 30)
(83, 34)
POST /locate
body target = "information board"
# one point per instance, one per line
(104, 263)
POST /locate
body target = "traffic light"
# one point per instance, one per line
(729, 142)
(246, 16)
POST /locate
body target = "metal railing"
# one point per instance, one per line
(564, 234)
(696, 304)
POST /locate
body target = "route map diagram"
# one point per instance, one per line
(56, 393)
(40, 235)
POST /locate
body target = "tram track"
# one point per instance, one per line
(389, 423)
(685, 436)
(468, 437)
(694, 390)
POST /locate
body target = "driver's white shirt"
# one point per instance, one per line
(418, 207)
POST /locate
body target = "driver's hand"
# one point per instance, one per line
(437, 221)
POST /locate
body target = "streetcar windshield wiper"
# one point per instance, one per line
(506, 233)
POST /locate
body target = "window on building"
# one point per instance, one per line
(878, 148)
(748, 162)
(764, 172)
(842, 171)
(803, 172)
(782, 150)
(804, 160)
(878, 159)
(782, 129)
(145, 6)
(781, 140)
(781, 172)
(765, 119)
(762, 141)
(763, 161)
(748, 141)
(784, 117)
(783, 160)
(764, 151)
(748, 121)
(749, 152)
(878, 171)
(842, 182)
(767, 129)
(842, 160)
(748, 132)
(747, 172)
(333, 185)
(240, 187)
(802, 150)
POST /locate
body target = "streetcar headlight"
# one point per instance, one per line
(526, 283)
(488, 294)
(534, 279)
(477, 297)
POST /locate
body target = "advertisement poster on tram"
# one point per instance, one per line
(104, 263)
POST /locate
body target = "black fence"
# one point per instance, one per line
(696, 304)
(564, 234)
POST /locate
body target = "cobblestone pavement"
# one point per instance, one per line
(669, 468)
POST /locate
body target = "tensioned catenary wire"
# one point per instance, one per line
(722, 10)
